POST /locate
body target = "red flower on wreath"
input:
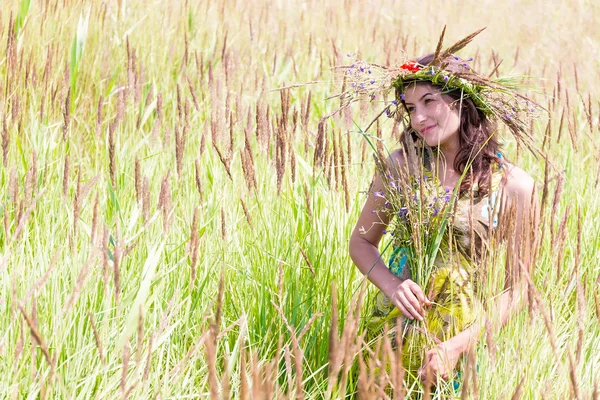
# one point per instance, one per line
(411, 66)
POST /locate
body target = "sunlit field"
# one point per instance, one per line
(175, 220)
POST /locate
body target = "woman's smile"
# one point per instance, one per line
(427, 129)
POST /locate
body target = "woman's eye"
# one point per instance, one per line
(410, 109)
(427, 101)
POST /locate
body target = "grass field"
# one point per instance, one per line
(169, 232)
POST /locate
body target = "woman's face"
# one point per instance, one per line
(432, 115)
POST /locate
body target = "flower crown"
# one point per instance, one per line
(496, 98)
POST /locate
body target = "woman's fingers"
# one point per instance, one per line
(416, 289)
(403, 310)
(410, 299)
(410, 304)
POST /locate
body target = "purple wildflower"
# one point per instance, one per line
(402, 96)
(379, 194)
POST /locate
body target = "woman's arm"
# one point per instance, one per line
(518, 192)
(363, 248)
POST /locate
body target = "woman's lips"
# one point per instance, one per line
(428, 129)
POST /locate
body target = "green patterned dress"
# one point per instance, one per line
(451, 288)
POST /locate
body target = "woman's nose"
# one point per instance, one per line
(419, 116)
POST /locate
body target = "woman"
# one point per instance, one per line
(452, 113)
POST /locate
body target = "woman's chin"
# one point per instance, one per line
(432, 141)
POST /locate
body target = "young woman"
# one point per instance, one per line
(452, 113)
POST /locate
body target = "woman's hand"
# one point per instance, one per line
(439, 362)
(410, 299)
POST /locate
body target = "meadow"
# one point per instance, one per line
(175, 220)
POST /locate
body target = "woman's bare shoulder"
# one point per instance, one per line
(397, 158)
(518, 182)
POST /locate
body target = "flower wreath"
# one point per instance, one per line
(496, 98)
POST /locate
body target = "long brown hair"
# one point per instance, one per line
(477, 133)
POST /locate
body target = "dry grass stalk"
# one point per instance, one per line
(225, 379)
(13, 189)
(573, 377)
(40, 283)
(319, 153)
(111, 154)
(83, 273)
(67, 115)
(556, 201)
(336, 158)
(349, 341)
(93, 230)
(105, 263)
(33, 342)
(24, 216)
(6, 222)
(344, 166)
(125, 368)
(597, 304)
(148, 359)
(76, 205)
(560, 239)
(307, 200)
(31, 179)
(5, 142)
(65, 181)
(138, 180)
(146, 199)
(99, 117)
(140, 336)
(224, 160)
(280, 152)
(581, 302)
(307, 260)
(288, 369)
(193, 93)
(298, 357)
(244, 389)
(293, 165)
(334, 352)
(247, 214)
(180, 142)
(38, 338)
(117, 263)
(546, 316)
(197, 178)
(165, 201)
(97, 338)
(194, 246)
(572, 125)
(223, 225)
(18, 348)
(519, 390)
(308, 325)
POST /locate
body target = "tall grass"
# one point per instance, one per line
(172, 227)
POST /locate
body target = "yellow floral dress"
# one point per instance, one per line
(455, 305)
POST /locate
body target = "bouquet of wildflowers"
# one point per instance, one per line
(420, 210)
(421, 213)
